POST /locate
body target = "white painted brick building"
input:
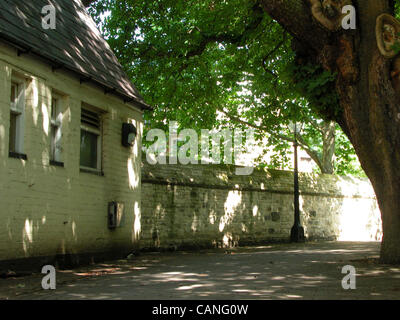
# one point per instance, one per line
(63, 101)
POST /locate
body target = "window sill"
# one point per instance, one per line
(92, 171)
(56, 163)
(17, 155)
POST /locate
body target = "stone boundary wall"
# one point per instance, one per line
(200, 206)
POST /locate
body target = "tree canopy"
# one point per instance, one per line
(193, 60)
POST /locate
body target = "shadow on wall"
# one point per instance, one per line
(196, 206)
(37, 219)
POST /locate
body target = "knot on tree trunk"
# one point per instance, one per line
(346, 61)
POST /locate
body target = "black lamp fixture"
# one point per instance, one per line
(129, 133)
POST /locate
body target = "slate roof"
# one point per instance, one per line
(75, 45)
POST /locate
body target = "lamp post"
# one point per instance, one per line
(297, 231)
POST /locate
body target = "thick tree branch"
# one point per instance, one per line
(234, 39)
(295, 16)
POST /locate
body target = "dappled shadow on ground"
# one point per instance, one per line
(290, 271)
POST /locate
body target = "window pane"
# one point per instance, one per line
(53, 142)
(14, 90)
(88, 149)
(53, 109)
(13, 132)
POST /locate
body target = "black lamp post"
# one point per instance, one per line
(297, 231)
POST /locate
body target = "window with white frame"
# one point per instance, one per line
(17, 107)
(90, 149)
(55, 128)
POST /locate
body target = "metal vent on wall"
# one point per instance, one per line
(115, 214)
(90, 118)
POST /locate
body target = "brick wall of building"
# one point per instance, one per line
(47, 210)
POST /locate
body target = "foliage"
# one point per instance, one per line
(346, 160)
(193, 60)
(318, 86)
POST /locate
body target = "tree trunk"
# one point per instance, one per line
(325, 160)
(328, 146)
(372, 117)
(370, 112)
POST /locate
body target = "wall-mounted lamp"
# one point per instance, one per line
(128, 134)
